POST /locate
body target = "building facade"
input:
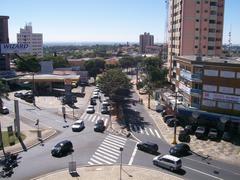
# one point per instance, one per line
(210, 83)
(34, 39)
(145, 40)
(4, 58)
(195, 28)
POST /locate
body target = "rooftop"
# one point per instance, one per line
(214, 59)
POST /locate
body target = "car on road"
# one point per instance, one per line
(95, 96)
(4, 110)
(62, 148)
(227, 136)
(105, 103)
(179, 150)
(168, 162)
(213, 134)
(90, 109)
(165, 118)
(200, 132)
(99, 126)
(190, 129)
(148, 147)
(160, 108)
(170, 122)
(78, 126)
(93, 101)
(18, 94)
(104, 110)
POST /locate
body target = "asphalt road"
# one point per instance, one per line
(103, 148)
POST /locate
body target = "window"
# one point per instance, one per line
(197, 29)
(212, 21)
(238, 75)
(236, 107)
(210, 48)
(197, 11)
(196, 47)
(213, 3)
(213, 12)
(226, 90)
(209, 72)
(210, 88)
(227, 74)
(211, 39)
(197, 20)
(224, 105)
(208, 103)
(237, 91)
(196, 100)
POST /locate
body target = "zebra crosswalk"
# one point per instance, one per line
(109, 151)
(94, 117)
(144, 130)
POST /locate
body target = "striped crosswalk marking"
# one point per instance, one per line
(157, 134)
(93, 119)
(146, 131)
(108, 152)
(151, 131)
(141, 130)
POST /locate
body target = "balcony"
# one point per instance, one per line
(196, 91)
(196, 77)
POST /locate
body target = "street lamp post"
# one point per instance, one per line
(175, 121)
(121, 150)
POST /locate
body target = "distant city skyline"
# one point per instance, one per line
(94, 21)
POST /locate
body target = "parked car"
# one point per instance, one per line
(4, 110)
(28, 97)
(213, 134)
(95, 96)
(165, 118)
(90, 109)
(183, 136)
(170, 122)
(104, 110)
(179, 150)
(189, 129)
(105, 103)
(148, 147)
(227, 136)
(168, 161)
(99, 126)
(18, 94)
(160, 108)
(62, 148)
(200, 132)
(93, 101)
(78, 126)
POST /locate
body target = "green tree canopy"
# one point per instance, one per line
(58, 61)
(94, 66)
(28, 64)
(115, 84)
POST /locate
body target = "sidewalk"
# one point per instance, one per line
(222, 150)
(31, 139)
(109, 173)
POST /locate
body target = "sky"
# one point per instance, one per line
(100, 20)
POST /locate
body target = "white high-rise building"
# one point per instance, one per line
(34, 39)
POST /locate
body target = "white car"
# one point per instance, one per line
(105, 103)
(78, 126)
(168, 161)
(90, 109)
(4, 110)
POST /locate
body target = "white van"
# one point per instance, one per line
(168, 161)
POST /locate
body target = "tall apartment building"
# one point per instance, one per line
(34, 39)
(4, 58)
(145, 40)
(195, 28)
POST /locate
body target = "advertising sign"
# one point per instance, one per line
(184, 88)
(15, 48)
(221, 97)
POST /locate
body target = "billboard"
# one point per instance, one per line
(15, 48)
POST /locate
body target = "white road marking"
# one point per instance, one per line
(95, 161)
(157, 134)
(105, 157)
(146, 131)
(93, 119)
(106, 122)
(203, 173)
(100, 159)
(113, 143)
(107, 154)
(133, 155)
(90, 163)
(141, 130)
(116, 139)
(117, 136)
(115, 149)
(151, 131)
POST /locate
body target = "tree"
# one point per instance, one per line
(94, 67)
(3, 93)
(28, 63)
(156, 75)
(115, 84)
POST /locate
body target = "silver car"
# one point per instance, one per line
(168, 161)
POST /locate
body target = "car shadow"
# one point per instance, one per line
(180, 172)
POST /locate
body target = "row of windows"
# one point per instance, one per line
(222, 105)
(209, 47)
(221, 89)
(225, 74)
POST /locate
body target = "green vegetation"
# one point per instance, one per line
(3, 92)
(95, 67)
(13, 139)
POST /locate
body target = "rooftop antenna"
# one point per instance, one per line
(230, 41)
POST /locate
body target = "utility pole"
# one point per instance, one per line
(175, 121)
(121, 150)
